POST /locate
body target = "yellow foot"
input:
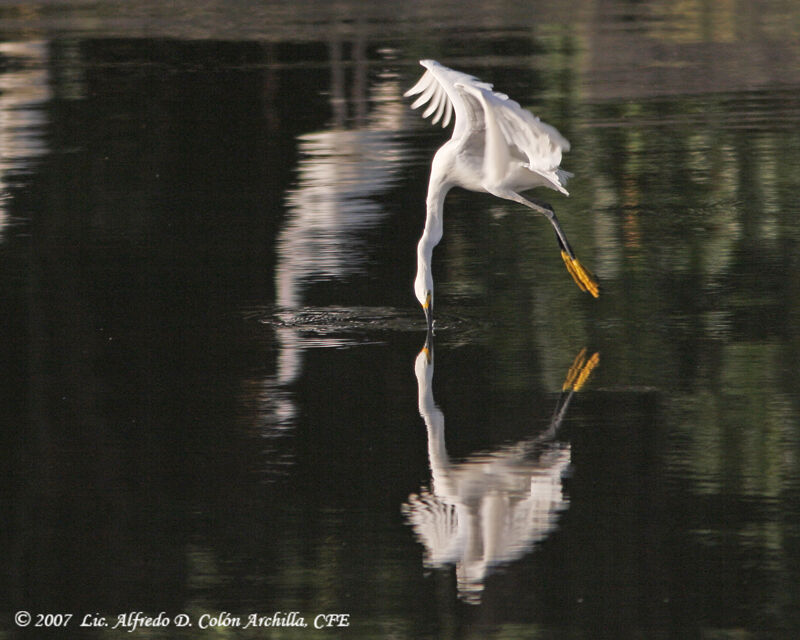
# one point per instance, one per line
(583, 277)
(580, 371)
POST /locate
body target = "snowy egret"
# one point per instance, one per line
(497, 147)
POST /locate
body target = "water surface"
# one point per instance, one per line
(215, 394)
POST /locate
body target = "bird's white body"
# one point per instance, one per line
(497, 147)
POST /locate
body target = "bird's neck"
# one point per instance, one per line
(431, 236)
(434, 218)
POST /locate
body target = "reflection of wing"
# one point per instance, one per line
(499, 506)
(436, 524)
(534, 516)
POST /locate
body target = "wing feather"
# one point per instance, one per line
(436, 100)
(440, 110)
(429, 91)
(448, 114)
(437, 87)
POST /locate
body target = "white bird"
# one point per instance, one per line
(497, 147)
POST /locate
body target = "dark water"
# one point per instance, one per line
(213, 395)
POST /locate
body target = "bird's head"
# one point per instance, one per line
(423, 289)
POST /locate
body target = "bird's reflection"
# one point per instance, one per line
(493, 507)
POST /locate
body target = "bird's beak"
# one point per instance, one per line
(427, 307)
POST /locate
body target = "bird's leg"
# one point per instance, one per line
(584, 278)
(547, 211)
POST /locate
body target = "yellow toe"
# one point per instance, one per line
(581, 275)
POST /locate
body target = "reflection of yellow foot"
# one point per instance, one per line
(583, 277)
(580, 371)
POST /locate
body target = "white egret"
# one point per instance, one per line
(497, 147)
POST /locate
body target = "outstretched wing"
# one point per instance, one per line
(514, 131)
(509, 125)
(439, 90)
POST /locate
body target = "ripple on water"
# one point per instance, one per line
(366, 322)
